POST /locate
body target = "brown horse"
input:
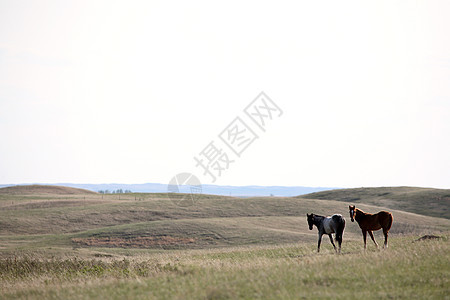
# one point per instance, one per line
(368, 222)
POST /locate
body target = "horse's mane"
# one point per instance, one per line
(317, 215)
(360, 210)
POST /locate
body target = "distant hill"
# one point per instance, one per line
(424, 201)
(42, 189)
(224, 190)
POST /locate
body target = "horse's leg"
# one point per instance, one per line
(340, 243)
(331, 239)
(364, 237)
(373, 239)
(320, 240)
(385, 232)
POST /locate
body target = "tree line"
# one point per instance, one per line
(118, 191)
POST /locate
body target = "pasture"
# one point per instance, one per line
(85, 245)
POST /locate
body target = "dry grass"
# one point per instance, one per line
(408, 269)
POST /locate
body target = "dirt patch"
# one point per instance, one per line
(137, 242)
(428, 237)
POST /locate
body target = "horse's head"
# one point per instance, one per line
(310, 218)
(352, 210)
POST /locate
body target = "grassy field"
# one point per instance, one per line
(408, 269)
(85, 245)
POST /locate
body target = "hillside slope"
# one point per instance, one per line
(424, 201)
(139, 222)
(43, 189)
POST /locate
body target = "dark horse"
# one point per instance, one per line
(368, 222)
(328, 225)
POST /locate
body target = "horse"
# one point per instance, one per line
(328, 225)
(368, 222)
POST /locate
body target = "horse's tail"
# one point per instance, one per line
(340, 227)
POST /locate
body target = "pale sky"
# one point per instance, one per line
(130, 92)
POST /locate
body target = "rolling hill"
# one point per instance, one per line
(424, 201)
(224, 190)
(36, 189)
(70, 222)
(59, 244)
